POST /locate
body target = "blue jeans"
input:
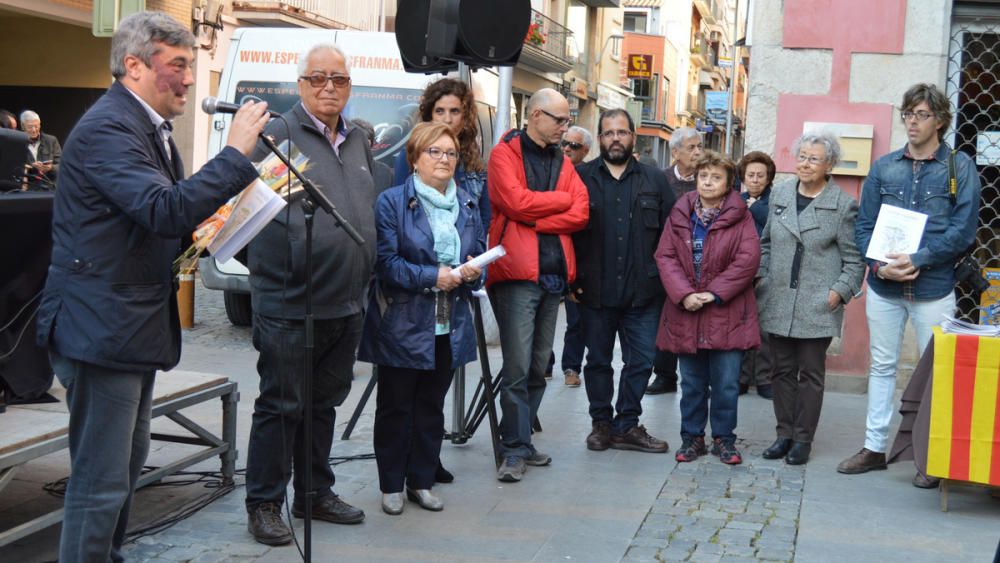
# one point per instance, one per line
(276, 435)
(710, 382)
(573, 345)
(526, 316)
(886, 323)
(636, 328)
(109, 412)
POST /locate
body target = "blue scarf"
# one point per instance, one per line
(442, 213)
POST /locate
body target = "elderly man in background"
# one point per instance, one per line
(340, 161)
(686, 147)
(538, 202)
(45, 151)
(575, 144)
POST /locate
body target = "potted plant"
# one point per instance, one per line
(535, 35)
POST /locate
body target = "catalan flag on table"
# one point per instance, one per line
(964, 436)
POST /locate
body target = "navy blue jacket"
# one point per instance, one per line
(406, 269)
(951, 223)
(118, 214)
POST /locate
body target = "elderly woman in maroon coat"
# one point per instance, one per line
(707, 257)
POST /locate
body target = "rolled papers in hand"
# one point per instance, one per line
(483, 260)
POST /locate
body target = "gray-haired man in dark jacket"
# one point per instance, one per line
(339, 164)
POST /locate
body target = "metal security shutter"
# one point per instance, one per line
(974, 90)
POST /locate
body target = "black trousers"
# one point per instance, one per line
(798, 379)
(756, 367)
(409, 418)
(665, 366)
(277, 436)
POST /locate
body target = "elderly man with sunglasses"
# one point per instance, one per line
(339, 164)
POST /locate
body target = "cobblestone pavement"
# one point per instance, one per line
(211, 326)
(708, 512)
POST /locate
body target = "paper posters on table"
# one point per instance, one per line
(257, 205)
(897, 231)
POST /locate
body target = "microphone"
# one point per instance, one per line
(212, 105)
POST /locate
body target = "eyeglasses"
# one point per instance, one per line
(814, 160)
(560, 121)
(920, 115)
(571, 145)
(319, 80)
(438, 154)
(613, 133)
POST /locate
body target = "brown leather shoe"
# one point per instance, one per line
(572, 378)
(600, 436)
(862, 462)
(922, 481)
(332, 509)
(265, 524)
(639, 440)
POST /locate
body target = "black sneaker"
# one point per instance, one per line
(727, 452)
(512, 470)
(691, 448)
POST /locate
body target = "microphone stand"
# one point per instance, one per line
(313, 196)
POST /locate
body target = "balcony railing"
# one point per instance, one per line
(547, 44)
(701, 49)
(327, 13)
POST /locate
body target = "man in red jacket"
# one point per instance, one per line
(538, 202)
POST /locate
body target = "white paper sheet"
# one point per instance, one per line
(257, 205)
(897, 231)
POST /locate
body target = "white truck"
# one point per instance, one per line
(262, 65)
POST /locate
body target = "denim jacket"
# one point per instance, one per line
(951, 224)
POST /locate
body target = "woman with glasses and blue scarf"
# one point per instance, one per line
(418, 327)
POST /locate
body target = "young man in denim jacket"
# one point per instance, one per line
(918, 286)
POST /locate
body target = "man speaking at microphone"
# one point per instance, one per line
(108, 313)
(339, 164)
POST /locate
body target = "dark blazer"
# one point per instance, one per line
(652, 201)
(119, 211)
(402, 335)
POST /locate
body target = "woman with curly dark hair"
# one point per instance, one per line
(451, 102)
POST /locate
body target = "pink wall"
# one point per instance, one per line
(845, 27)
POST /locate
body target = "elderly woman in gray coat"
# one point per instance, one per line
(809, 269)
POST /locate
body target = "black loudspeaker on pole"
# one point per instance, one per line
(433, 35)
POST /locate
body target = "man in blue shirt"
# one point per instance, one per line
(918, 286)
